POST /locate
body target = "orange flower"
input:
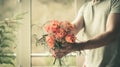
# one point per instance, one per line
(55, 25)
(70, 38)
(67, 26)
(50, 41)
(60, 33)
(48, 28)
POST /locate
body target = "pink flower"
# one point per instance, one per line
(70, 38)
(55, 25)
(67, 26)
(60, 33)
(48, 28)
(50, 41)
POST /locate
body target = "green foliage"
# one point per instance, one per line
(7, 59)
(8, 27)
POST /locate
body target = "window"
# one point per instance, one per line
(38, 12)
(43, 11)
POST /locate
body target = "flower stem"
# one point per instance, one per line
(60, 62)
(54, 61)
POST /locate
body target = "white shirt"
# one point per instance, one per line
(95, 17)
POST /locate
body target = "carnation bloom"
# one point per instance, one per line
(67, 26)
(70, 38)
(48, 28)
(55, 25)
(50, 41)
(60, 33)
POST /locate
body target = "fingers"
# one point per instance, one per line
(59, 55)
(53, 52)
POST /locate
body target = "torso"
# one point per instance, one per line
(95, 17)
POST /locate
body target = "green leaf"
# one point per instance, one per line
(11, 56)
(19, 16)
(7, 44)
(6, 60)
(4, 45)
(8, 36)
(13, 25)
(9, 29)
(2, 27)
(6, 52)
(42, 40)
(1, 31)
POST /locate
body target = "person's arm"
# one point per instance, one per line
(78, 23)
(112, 33)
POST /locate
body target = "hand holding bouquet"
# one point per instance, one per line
(58, 34)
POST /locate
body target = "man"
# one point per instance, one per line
(101, 37)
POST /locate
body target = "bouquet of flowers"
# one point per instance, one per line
(58, 33)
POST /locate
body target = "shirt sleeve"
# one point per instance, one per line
(79, 14)
(115, 6)
(81, 10)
